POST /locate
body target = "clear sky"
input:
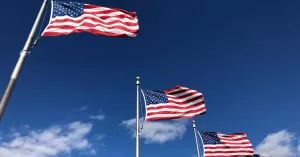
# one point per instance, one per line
(76, 94)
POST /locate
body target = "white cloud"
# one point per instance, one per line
(99, 136)
(97, 117)
(280, 144)
(49, 142)
(83, 108)
(298, 148)
(158, 132)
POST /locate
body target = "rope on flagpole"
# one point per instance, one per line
(142, 122)
(201, 141)
(39, 34)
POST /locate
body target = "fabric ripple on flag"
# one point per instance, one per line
(176, 103)
(226, 145)
(73, 17)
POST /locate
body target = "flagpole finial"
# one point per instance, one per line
(137, 80)
(194, 124)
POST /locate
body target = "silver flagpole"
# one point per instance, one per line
(195, 131)
(137, 117)
(18, 67)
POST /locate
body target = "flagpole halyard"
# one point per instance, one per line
(137, 116)
(195, 132)
(11, 84)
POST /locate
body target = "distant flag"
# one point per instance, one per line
(73, 17)
(226, 145)
(177, 103)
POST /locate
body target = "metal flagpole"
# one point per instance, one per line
(195, 131)
(137, 117)
(18, 67)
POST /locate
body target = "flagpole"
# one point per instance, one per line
(194, 126)
(137, 117)
(18, 67)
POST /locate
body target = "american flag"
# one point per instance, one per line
(69, 17)
(176, 103)
(226, 145)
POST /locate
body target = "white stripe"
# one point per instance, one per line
(233, 142)
(95, 23)
(224, 136)
(174, 115)
(115, 13)
(98, 28)
(97, 9)
(237, 137)
(227, 149)
(228, 154)
(175, 110)
(228, 145)
(177, 89)
(94, 16)
(185, 99)
(183, 93)
(178, 105)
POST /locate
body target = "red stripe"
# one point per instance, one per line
(90, 6)
(174, 107)
(233, 135)
(91, 25)
(169, 118)
(86, 30)
(226, 147)
(95, 19)
(229, 151)
(186, 101)
(107, 16)
(233, 139)
(173, 112)
(184, 96)
(235, 143)
(172, 89)
(182, 90)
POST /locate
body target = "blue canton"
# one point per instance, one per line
(72, 9)
(155, 97)
(210, 138)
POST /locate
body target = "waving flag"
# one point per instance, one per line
(177, 103)
(70, 17)
(226, 145)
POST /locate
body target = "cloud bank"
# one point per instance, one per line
(280, 144)
(49, 142)
(158, 132)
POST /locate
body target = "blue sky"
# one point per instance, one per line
(76, 94)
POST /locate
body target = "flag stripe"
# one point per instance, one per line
(174, 116)
(109, 21)
(89, 25)
(174, 112)
(176, 106)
